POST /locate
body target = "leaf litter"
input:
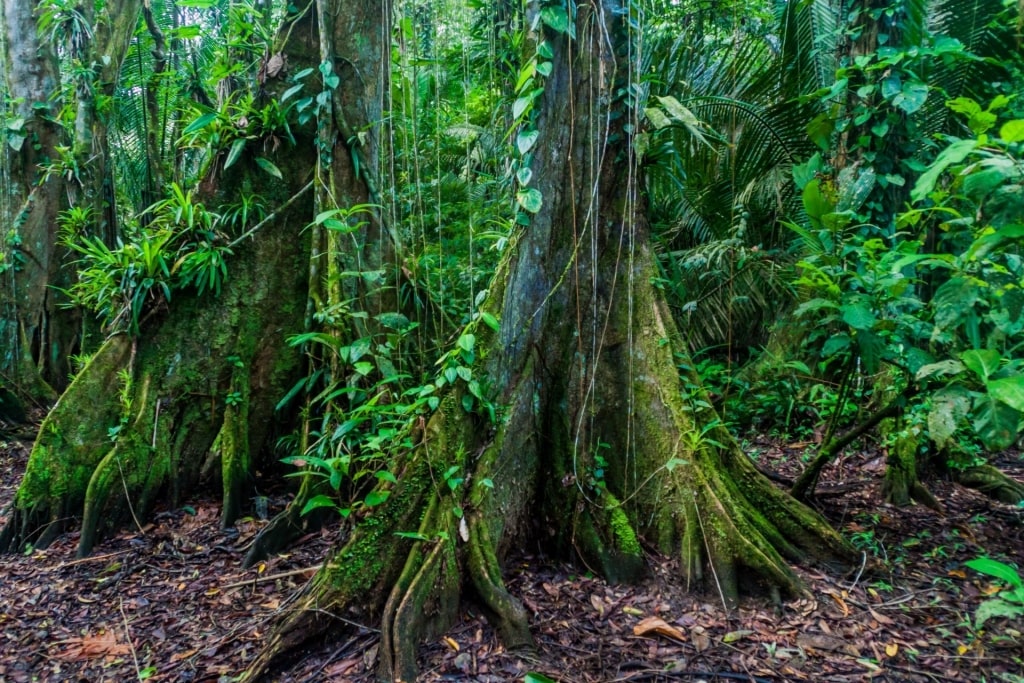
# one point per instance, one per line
(170, 602)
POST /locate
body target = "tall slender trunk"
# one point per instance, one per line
(33, 345)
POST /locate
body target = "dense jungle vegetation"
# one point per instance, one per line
(483, 276)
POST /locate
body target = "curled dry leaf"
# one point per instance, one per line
(658, 626)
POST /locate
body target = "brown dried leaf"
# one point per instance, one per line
(656, 625)
(92, 647)
(881, 618)
(826, 643)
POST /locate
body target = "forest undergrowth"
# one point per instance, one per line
(169, 601)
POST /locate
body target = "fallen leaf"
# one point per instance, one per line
(827, 644)
(881, 618)
(451, 643)
(733, 636)
(598, 605)
(659, 626)
(632, 611)
(891, 649)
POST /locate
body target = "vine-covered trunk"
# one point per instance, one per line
(192, 396)
(33, 341)
(592, 448)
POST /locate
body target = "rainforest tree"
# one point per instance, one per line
(563, 418)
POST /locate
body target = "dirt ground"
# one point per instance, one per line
(168, 601)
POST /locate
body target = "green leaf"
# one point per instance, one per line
(521, 104)
(544, 68)
(531, 199)
(490, 321)
(467, 341)
(200, 123)
(533, 677)
(557, 18)
(1009, 390)
(858, 316)
(1012, 131)
(524, 175)
(950, 407)
(836, 344)
(983, 362)
(996, 607)
(994, 422)
(320, 501)
(999, 570)
(943, 367)
(236, 150)
(269, 167)
(953, 154)
(376, 498)
(912, 97)
(526, 139)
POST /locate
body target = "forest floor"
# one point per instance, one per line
(168, 601)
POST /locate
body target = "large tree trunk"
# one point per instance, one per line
(592, 448)
(32, 344)
(194, 394)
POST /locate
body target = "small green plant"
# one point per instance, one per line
(1009, 602)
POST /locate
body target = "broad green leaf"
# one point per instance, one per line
(983, 362)
(950, 407)
(524, 175)
(467, 341)
(544, 68)
(236, 150)
(815, 203)
(320, 501)
(872, 347)
(953, 154)
(994, 422)
(376, 498)
(526, 139)
(912, 97)
(943, 367)
(657, 118)
(200, 123)
(858, 316)
(490, 321)
(1012, 131)
(1009, 390)
(557, 18)
(269, 167)
(999, 570)
(521, 104)
(531, 199)
(835, 344)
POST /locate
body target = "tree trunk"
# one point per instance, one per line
(592, 448)
(194, 394)
(33, 344)
(352, 270)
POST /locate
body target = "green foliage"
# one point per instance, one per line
(1009, 602)
(182, 247)
(947, 319)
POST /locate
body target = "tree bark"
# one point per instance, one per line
(34, 345)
